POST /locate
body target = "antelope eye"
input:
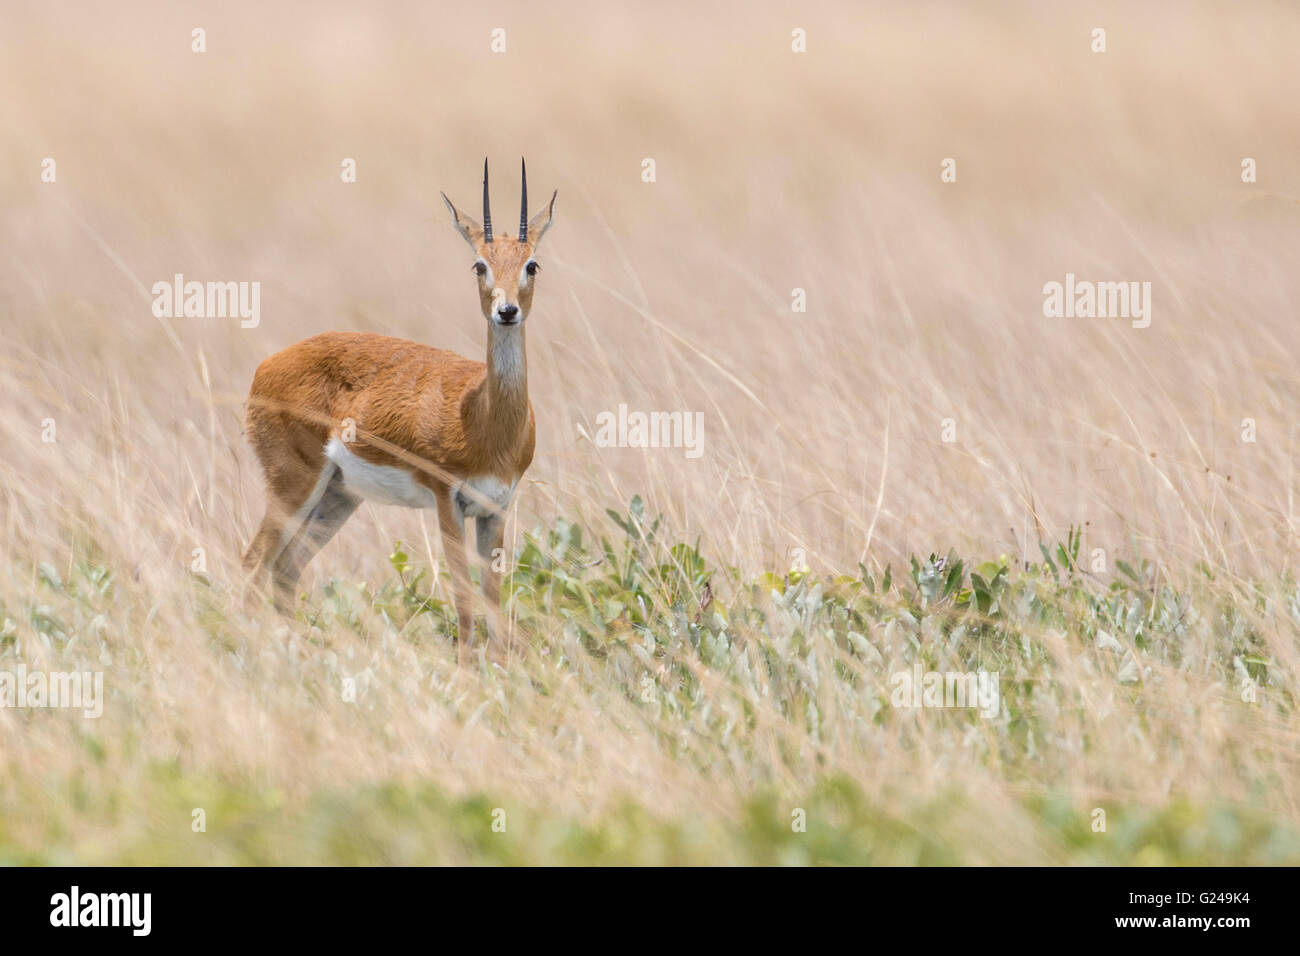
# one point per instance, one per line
(480, 267)
(532, 268)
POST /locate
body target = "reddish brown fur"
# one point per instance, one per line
(402, 396)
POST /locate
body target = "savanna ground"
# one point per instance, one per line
(703, 646)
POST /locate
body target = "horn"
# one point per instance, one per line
(523, 201)
(487, 212)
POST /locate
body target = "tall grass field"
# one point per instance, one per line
(945, 575)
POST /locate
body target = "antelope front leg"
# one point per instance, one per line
(452, 525)
(489, 538)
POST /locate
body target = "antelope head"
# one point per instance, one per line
(505, 266)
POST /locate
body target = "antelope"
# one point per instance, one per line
(344, 417)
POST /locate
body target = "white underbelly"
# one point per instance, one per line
(382, 484)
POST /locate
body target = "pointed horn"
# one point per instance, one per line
(487, 212)
(523, 201)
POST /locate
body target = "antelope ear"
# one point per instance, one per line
(465, 225)
(538, 225)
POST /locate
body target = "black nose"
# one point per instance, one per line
(508, 311)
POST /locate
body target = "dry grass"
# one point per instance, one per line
(822, 429)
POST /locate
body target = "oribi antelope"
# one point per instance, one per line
(344, 417)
